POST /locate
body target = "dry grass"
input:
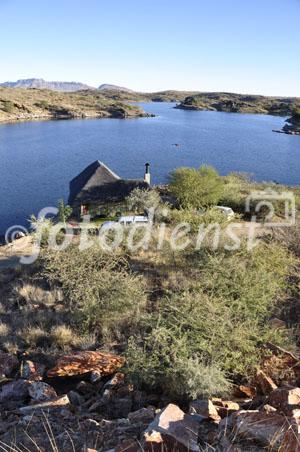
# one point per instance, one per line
(34, 294)
(63, 337)
(4, 329)
(35, 336)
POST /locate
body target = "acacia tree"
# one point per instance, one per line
(196, 188)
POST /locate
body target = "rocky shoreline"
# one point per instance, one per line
(31, 105)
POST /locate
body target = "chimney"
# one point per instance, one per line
(147, 177)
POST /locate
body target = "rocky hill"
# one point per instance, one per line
(107, 86)
(40, 83)
(240, 103)
(30, 104)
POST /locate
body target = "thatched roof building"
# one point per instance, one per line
(98, 184)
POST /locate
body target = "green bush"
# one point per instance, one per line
(8, 106)
(216, 328)
(196, 188)
(98, 288)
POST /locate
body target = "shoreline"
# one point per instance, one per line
(68, 118)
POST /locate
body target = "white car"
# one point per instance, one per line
(133, 219)
(226, 211)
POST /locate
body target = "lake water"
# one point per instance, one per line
(38, 159)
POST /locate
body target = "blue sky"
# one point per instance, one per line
(215, 45)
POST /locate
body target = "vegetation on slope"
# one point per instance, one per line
(191, 322)
(28, 104)
(240, 103)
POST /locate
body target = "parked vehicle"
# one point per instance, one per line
(126, 220)
(133, 219)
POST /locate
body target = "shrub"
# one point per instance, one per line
(196, 219)
(163, 363)
(141, 200)
(98, 287)
(8, 106)
(216, 327)
(196, 187)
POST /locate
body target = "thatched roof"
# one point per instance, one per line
(97, 183)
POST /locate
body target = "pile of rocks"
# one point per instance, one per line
(84, 403)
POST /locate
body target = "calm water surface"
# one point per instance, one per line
(38, 159)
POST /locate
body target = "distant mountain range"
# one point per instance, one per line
(40, 83)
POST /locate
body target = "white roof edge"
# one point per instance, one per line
(108, 169)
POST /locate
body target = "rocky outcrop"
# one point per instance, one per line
(239, 103)
(292, 126)
(80, 363)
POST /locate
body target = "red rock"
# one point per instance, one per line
(8, 364)
(144, 415)
(285, 398)
(172, 430)
(268, 429)
(80, 363)
(32, 371)
(205, 408)
(245, 391)
(40, 391)
(282, 366)
(265, 383)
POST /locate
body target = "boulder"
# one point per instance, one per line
(225, 407)
(40, 391)
(15, 390)
(265, 383)
(8, 364)
(245, 391)
(32, 371)
(285, 399)
(267, 429)
(204, 408)
(282, 366)
(79, 363)
(144, 415)
(172, 429)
